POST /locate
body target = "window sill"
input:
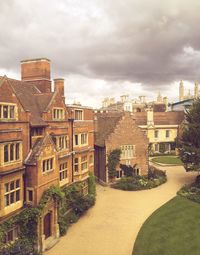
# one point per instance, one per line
(48, 172)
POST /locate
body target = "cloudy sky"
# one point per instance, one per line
(105, 47)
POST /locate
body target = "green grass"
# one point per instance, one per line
(174, 229)
(169, 160)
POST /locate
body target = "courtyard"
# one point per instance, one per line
(112, 225)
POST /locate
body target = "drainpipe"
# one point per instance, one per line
(71, 120)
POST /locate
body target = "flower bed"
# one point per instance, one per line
(191, 191)
(154, 179)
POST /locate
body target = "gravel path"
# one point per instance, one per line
(111, 226)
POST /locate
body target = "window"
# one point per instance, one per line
(11, 152)
(167, 133)
(119, 174)
(78, 115)
(156, 134)
(11, 192)
(12, 234)
(7, 111)
(58, 113)
(83, 139)
(63, 171)
(47, 165)
(76, 165)
(128, 151)
(84, 163)
(91, 161)
(30, 195)
(75, 140)
(61, 142)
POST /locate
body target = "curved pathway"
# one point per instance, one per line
(111, 226)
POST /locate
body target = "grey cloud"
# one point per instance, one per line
(132, 40)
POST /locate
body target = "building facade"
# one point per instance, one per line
(119, 131)
(38, 146)
(161, 128)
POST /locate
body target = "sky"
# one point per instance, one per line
(105, 48)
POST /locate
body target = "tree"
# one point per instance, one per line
(190, 138)
(113, 161)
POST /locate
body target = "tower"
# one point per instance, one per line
(196, 89)
(181, 91)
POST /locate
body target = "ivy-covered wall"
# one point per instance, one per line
(72, 204)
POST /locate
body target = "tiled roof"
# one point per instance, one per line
(106, 122)
(31, 99)
(34, 153)
(160, 118)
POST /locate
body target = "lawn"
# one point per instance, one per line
(174, 229)
(170, 160)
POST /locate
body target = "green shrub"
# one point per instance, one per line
(155, 178)
(191, 192)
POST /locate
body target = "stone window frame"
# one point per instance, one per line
(12, 192)
(156, 133)
(47, 165)
(28, 200)
(167, 133)
(62, 142)
(63, 171)
(12, 235)
(78, 114)
(13, 152)
(128, 151)
(84, 163)
(76, 164)
(12, 117)
(58, 113)
(80, 139)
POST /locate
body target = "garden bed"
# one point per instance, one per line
(167, 160)
(154, 179)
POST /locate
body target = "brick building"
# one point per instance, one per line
(39, 145)
(119, 131)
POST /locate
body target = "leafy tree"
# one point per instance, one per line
(190, 138)
(113, 161)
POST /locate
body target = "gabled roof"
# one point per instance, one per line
(106, 124)
(37, 149)
(31, 99)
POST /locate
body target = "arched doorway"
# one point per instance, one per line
(47, 225)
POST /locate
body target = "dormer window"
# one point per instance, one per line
(58, 114)
(8, 111)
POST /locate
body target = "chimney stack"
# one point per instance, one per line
(59, 86)
(150, 121)
(37, 71)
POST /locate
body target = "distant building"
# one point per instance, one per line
(161, 128)
(183, 96)
(135, 105)
(182, 105)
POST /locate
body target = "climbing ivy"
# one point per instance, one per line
(72, 204)
(113, 161)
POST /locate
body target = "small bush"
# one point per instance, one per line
(191, 192)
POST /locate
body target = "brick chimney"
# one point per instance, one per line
(150, 120)
(38, 71)
(59, 86)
